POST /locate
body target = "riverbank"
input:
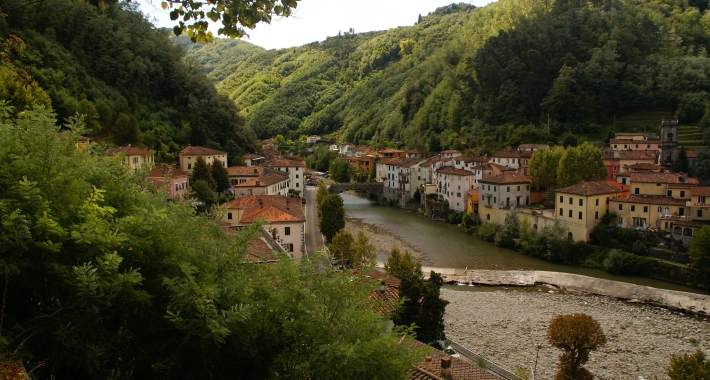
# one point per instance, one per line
(507, 326)
(382, 240)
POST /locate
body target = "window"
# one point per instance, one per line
(596, 215)
(488, 216)
(670, 193)
(296, 176)
(581, 202)
(495, 188)
(645, 208)
(287, 231)
(580, 215)
(508, 190)
(297, 184)
(700, 213)
(660, 209)
(570, 213)
(290, 247)
(681, 211)
(527, 187)
(189, 166)
(571, 200)
(701, 199)
(621, 207)
(633, 207)
(597, 202)
(562, 212)
(495, 200)
(562, 199)
(637, 191)
(682, 194)
(518, 188)
(229, 215)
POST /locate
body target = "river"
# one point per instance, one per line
(443, 245)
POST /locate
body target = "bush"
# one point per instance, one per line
(487, 231)
(454, 217)
(620, 262)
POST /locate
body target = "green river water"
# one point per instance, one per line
(445, 246)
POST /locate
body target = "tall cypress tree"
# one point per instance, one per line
(220, 176)
(202, 171)
(681, 163)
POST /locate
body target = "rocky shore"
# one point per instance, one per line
(506, 326)
(382, 239)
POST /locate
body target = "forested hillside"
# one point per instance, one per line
(106, 61)
(484, 76)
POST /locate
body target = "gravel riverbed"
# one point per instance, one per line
(382, 239)
(506, 326)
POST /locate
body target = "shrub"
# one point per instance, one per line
(487, 231)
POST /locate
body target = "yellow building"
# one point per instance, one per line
(82, 143)
(134, 158)
(676, 185)
(580, 207)
(189, 155)
(649, 211)
(472, 201)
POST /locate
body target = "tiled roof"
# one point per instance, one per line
(502, 167)
(163, 172)
(645, 166)
(472, 159)
(623, 141)
(460, 370)
(453, 171)
(409, 162)
(272, 208)
(282, 163)
(259, 251)
(391, 291)
(414, 151)
(450, 151)
(652, 177)
(391, 160)
(269, 141)
(701, 191)
(265, 180)
(431, 160)
(637, 154)
(506, 178)
(200, 151)
(507, 153)
(472, 192)
(390, 150)
(243, 171)
(251, 156)
(129, 151)
(651, 199)
(592, 188)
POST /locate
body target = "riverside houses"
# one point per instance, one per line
(453, 185)
(507, 157)
(500, 192)
(284, 217)
(189, 155)
(409, 174)
(580, 207)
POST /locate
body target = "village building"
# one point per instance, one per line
(389, 153)
(134, 158)
(507, 157)
(472, 201)
(241, 174)
(312, 139)
(451, 153)
(295, 169)
(630, 144)
(252, 159)
(189, 154)
(267, 184)
(531, 147)
(581, 207)
(269, 144)
(284, 218)
(387, 168)
(409, 174)
(668, 184)
(683, 228)
(414, 153)
(82, 143)
(174, 182)
(363, 164)
(648, 211)
(500, 192)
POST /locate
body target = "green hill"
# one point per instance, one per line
(105, 60)
(483, 77)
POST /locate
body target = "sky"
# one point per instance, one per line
(315, 20)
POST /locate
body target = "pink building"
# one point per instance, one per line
(175, 182)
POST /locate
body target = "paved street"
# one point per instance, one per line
(314, 239)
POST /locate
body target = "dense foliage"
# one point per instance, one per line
(103, 279)
(577, 335)
(689, 367)
(487, 77)
(107, 62)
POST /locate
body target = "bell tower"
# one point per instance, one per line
(669, 142)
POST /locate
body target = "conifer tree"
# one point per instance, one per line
(203, 171)
(220, 176)
(681, 163)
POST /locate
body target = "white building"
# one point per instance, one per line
(453, 184)
(295, 169)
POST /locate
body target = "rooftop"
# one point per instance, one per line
(128, 150)
(200, 151)
(700, 191)
(638, 154)
(265, 180)
(651, 199)
(271, 208)
(243, 171)
(594, 188)
(668, 178)
(284, 162)
(506, 178)
(507, 153)
(453, 171)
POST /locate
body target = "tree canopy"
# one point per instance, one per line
(332, 216)
(577, 335)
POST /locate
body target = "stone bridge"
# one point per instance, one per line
(372, 188)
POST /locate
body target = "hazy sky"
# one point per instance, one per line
(314, 20)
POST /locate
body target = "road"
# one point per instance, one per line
(314, 239)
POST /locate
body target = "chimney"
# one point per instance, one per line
(427, 363)
(446, 367)
(288, 201)
(261, 203)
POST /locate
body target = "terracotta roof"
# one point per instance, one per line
(431, 160)
(129, 151)
(200, 151)
(244, 171)
(623, 141)
(409, 162)
(259, 251)
(507, 153)
(460, 370)
(472, 159)
(472, 192)
(272, 208)
(506, 178)
(414, 151)
(251, 156)
(391, 291)
(701, 191)
(637, 154)
(83, 138)
(645, 166)
(529, 146)
(453, 171)
(391, 160)
(651, 199)
(282, 163)
(652, 177)
(593, 188)
(503, 168)
(265, 180)
(162, 172)
(450, 151)
(390, 150)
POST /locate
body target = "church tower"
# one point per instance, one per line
(669, 142)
